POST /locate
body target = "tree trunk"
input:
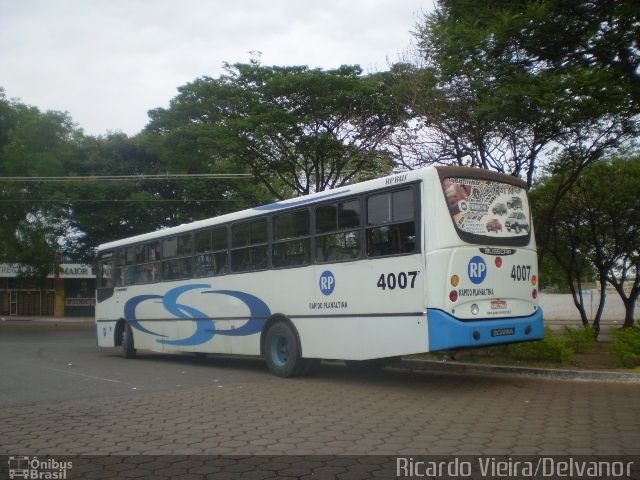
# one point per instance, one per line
(629, 308)
(600, 311)
(577, 300)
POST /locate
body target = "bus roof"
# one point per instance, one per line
(346, 191)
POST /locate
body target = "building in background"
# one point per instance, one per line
(69, 294)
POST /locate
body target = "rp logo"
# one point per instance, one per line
(327, 282)
(477, 270)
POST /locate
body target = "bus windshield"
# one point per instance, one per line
(487, 211)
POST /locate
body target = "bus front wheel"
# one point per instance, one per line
(282, 352)
(128, 348)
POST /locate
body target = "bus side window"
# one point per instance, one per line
(391, 223)
(211, 252)
(291, 241)
(130, 266)
(249, 245)
(177, 257)
(118, 278)
(148, 268)
(338, 231)
(105, 271)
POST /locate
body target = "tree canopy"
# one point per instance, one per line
(32, 145)
(596, 228)
(298, 129)
(65, 192)
(504, 85)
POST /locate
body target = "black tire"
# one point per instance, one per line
(282, 352)
(128, 348)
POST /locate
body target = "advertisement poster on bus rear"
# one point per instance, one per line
(486, 207)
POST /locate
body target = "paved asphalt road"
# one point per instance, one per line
(45, 364)
(60, 394)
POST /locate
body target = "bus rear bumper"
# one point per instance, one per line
(446, 331)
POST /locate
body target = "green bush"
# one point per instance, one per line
(626, 346)
(550, 349)
(581, 339)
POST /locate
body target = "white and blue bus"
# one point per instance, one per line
(431, 259)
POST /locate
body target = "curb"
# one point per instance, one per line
(549, 373)
(46, 322)
(26, 319)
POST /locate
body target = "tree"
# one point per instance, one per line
(607, 194)
(128, 186)
(99, 210)
(564, 248)
(33, 145)
(597, 223)
(299, 130)
(506, 84)
(125, 186)
(588, 35)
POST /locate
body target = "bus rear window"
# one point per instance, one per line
(487, 211)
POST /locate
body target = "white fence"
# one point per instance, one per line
(559, 309)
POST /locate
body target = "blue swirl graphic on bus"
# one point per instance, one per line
(170, 302)
(259, 313)
(206, 329)
(130, 312)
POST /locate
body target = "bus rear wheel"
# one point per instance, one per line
(282, 352)
(128, 348)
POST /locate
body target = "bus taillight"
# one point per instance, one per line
(499, 262)
(453, 296)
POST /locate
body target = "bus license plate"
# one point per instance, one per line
(502, 332)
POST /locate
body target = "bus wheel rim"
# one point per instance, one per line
(280, 350)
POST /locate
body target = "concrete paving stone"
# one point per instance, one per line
(372, 442)
(312, 476)
(388, 472)
(391, 413)
(134, 473)
(526, 449)
(188, 476)
(82, 467)
(189, 462)
(256, 475)
(310, 445)
(353, 475)
(497, 451)
(340, 444)
(206, 470)
(96, 475)
(354, 450)
(259, 441)
(126, 452)
(401, 445)
(580, 441)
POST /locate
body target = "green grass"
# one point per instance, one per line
(626, 346)
(574, 348)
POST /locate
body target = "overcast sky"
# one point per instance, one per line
(107, 62)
